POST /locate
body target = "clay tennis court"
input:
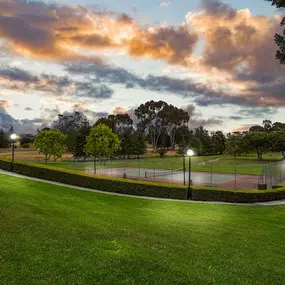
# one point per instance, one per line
(221, 180)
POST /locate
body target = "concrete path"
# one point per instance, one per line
(272, 203)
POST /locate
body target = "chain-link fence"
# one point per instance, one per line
(223, 173)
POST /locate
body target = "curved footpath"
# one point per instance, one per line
(272, 203)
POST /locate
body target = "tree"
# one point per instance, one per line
(256, 128)
(280, 40)
(267, 126)
(71, 137)
(109, 122)
(50, 143)
(45, 129)
(140, 147)
(277, 141)
(4, 140)
(123, 124)
(183, 134)
(218, 142)
(80, 142)
(101, 141)
(26, 139)
(120, 123)
(172, 119)
(203, 135)
(236, 144)
(196, 145)
(150, 120)
(133, 144)
(277, 126)
(258, 141)
(69, 122)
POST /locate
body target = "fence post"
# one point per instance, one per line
(211, 177)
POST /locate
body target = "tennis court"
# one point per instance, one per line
(229, 181)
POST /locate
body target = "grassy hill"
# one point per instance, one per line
(57, 235)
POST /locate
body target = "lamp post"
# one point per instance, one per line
(13, 137)
(190, 153)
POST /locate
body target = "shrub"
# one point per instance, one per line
(249, 196)
(277, 186)
(25, 145)
(162, 152)
(261, 186)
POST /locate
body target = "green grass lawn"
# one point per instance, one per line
(245, 165)
(57, 235)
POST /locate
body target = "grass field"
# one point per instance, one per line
(245, 165)
(57, 235)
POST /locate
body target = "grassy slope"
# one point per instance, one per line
(56, 235)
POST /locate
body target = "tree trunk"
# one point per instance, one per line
(259, 155)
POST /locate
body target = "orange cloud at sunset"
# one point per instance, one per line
(4, 104)
(54, 32)
(231, 51)
(120, 110)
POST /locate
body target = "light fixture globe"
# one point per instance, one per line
(190, 152)
(13, 137)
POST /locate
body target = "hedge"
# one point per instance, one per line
(108, 184)
(239, 196)
(142, 188)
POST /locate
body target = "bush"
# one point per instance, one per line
(249, 196)
(162, 152)
(277, 186)
(25, 145)
(261, 186)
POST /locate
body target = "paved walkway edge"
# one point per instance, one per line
(272, 203)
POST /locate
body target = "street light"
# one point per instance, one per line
(13, 137)
(190, 153)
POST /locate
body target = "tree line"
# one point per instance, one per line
(260, 139)
(162, 125)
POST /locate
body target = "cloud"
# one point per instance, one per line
(172, 44)
(163, 84)
(16, 74)
(21, 80)
(236, 118)
(6, 120)
(120, 110)
(196, 118)
(239, 49)
(45, 31)
(4, 104)
(64, 32)
(164, 4)
(32, 121)
(29, 109)
(236, 64)
(95, 114)
(243, 128)
(257, 112)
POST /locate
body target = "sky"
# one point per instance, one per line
(215, 59)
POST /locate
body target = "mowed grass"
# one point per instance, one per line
(58, 235)
(217, 164)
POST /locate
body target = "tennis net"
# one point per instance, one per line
(159, 173)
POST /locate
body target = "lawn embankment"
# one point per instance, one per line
(57, 235)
